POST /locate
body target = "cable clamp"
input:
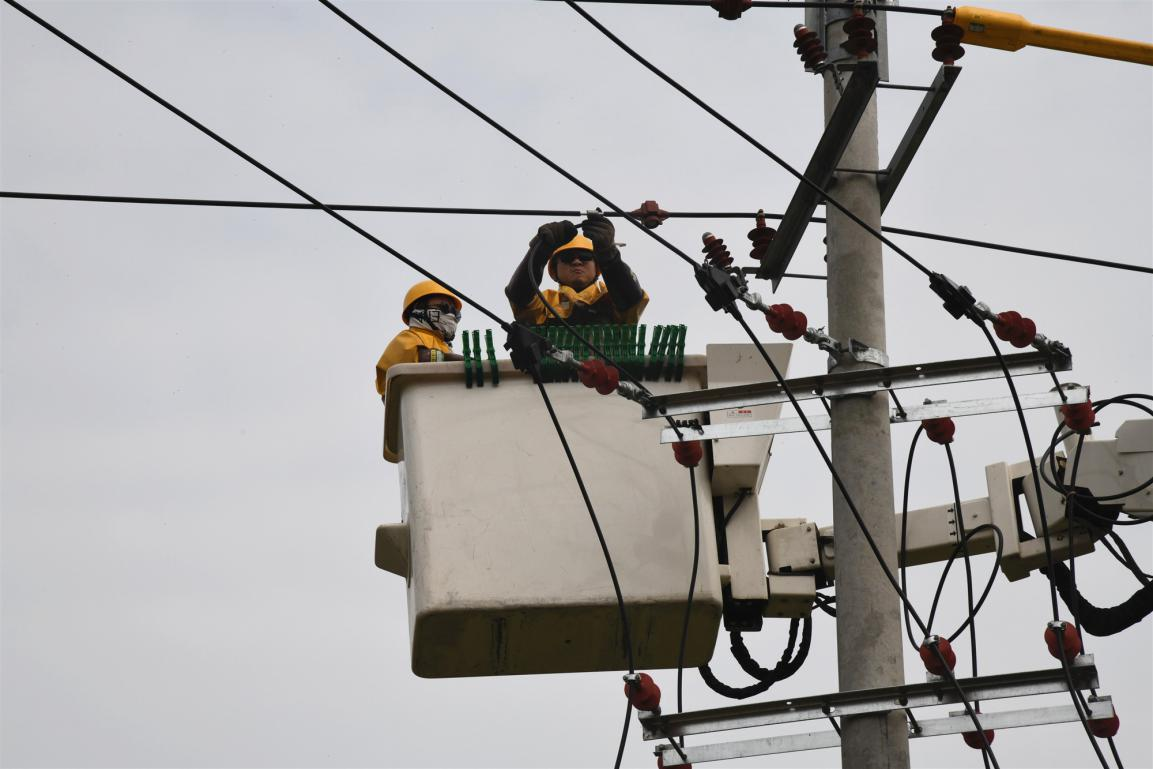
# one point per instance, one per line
(959, 301)
(564, 357)
(526, 348)
(753, 301)
(721, 288)
(862, 353)
(633, 393)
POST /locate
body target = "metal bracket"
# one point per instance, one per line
(827, 155)
(853, 382)
(937, 691)
(942, 84)
(862, 353)
(929, 410)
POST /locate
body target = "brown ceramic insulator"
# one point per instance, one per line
(715, 251)
(761, 236)
(809, 47)
(861, 32)
(730, 10)
(948, 37)
(650, 214)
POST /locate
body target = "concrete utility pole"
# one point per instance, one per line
(869, 637)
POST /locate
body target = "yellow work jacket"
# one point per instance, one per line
(404, 349)
(591, 305)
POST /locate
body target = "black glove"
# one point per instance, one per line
(556, 234)
(601, 232)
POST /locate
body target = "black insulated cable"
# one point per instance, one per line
(748, 138)
(973, 716)
(554, 212)
(504, 131)
(692, 590)
(253, 161)
(1049, 559)
(783, 4)
(625, 630)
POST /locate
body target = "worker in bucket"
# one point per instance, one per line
(576, 261)
(430, 313)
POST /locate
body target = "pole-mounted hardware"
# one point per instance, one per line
(905, 699)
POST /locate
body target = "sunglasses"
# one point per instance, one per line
(432, 314)
(567, 257)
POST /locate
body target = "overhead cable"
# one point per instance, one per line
(1078, 705)
(504, 131)
(749, 138)
(887, 8)
(869, 539)
(253, 161)
(551, 212)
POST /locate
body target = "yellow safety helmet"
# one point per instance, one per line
(423, 289)
(580, 241)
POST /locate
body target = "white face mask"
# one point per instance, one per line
(444, 323)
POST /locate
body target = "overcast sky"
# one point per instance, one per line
(191, 439)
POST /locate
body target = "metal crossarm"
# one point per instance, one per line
(826, 156)
(935, 692)
(932, 410)
(854, 382)
(915, 134)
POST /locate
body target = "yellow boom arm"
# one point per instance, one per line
(1012, 32)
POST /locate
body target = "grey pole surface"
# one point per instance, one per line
(869, 637)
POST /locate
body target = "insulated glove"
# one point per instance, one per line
(556, 234)
(600, 231)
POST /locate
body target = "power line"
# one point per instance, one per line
(550, 212)
(503, 131)
(747, 137)
(253, 161)
(861, 525)
(781, 4)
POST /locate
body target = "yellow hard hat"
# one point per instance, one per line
(580, 241)
(423, 289)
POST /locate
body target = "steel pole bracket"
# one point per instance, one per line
(826, 157)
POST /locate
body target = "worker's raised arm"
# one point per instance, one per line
(521, 290)
(628, 298)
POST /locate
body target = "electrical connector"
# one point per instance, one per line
(721, 288)
(526, 349)
(959, 300)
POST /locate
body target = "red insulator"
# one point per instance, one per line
(1067, 639)
(789, 323)
(730, 10)
(643, 694)
(932, 663)
(974, 741)
(939, 430)
(1105, 727)
(715, 251)
(809, 47)
(761, 236)
(1079, 417)
(861, 32)
(688, 453)
(661, 764)
(1014, 329)
(594, 373)
(650, 214)
(948, 37)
